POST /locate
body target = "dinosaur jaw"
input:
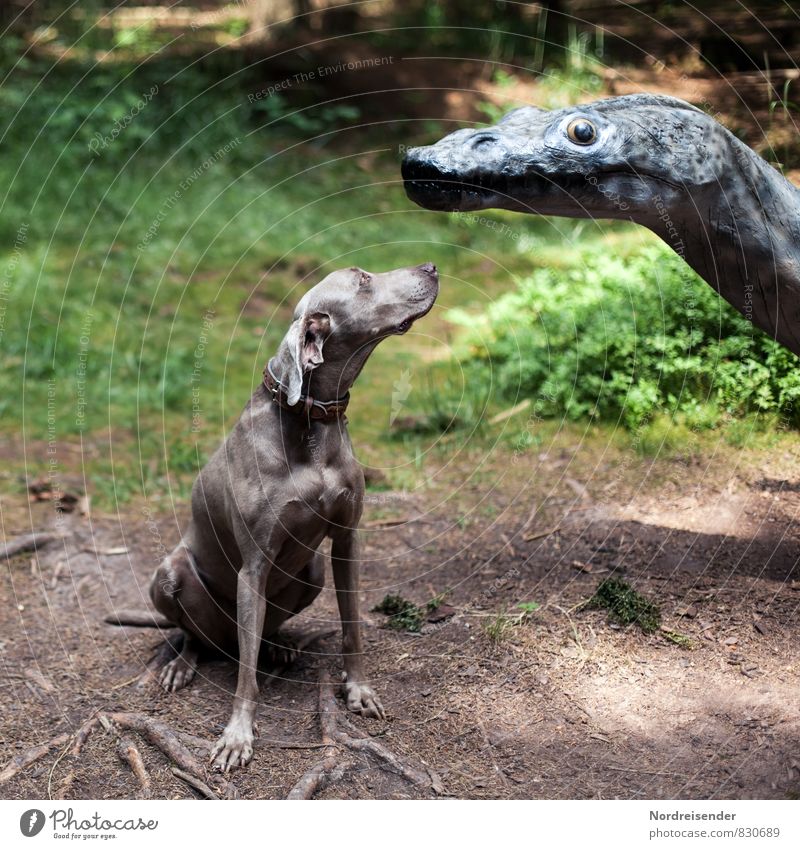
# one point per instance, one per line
(433, 188)
(622, 193)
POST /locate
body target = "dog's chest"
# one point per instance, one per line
(335, 495)
(328, 505)
(325, 487)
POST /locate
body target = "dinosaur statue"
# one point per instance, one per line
(654, 160)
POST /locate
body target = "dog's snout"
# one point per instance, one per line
(428, 268)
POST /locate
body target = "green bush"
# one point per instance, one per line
(625, 338)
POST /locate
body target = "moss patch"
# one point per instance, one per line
(625, 605)
(403, 614)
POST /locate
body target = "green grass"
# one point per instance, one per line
(144, 284)
(105, 327)
(500, 626)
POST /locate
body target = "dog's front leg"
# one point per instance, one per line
(361, 697)
(235, 747)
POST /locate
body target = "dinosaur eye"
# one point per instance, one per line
(582, 131)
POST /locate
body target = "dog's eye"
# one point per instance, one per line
(582, 131)
(363, 278)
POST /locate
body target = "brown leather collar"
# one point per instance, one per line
(308, 407)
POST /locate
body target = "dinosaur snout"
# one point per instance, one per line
(415, 163)
(483, 140)
(426, 182)
(461, 172)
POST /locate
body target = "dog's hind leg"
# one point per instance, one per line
(291, 599)
(178, 592)
(296, 595)
(179, 671)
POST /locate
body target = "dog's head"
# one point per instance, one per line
(341, 320)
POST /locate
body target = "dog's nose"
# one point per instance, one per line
(428, 268)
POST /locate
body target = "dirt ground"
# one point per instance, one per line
(565, 705)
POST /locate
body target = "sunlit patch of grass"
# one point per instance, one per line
(757, 430)
(500, 626)
(663, 436)
(101, 330)
(680, 640)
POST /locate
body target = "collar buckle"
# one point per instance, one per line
(307, 407)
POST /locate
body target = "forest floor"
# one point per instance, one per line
(560, 703)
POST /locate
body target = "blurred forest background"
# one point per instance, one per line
(174, 175)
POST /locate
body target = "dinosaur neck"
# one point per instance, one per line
(742, 235)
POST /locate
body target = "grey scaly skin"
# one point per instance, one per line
(651, 159)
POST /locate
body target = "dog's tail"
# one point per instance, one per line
(138, 619)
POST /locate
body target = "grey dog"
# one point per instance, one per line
(284, 480)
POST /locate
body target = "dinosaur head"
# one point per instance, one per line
(615, 158)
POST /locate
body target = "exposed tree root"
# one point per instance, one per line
(195, 782)
(29, 756)
(129, 754)
(72, 756)
(28, 542)
(320, 775)
(159, 734)
(360, 742)
(168, 741)
(162, 737)
(205, 746)
(138, 619)
(344, 746)
(333, 765)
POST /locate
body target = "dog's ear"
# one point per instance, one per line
(306, 337)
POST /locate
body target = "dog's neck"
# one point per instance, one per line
(331, 380)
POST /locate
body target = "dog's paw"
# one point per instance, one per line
(234, 748)
(361, 698)
(176, 674)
